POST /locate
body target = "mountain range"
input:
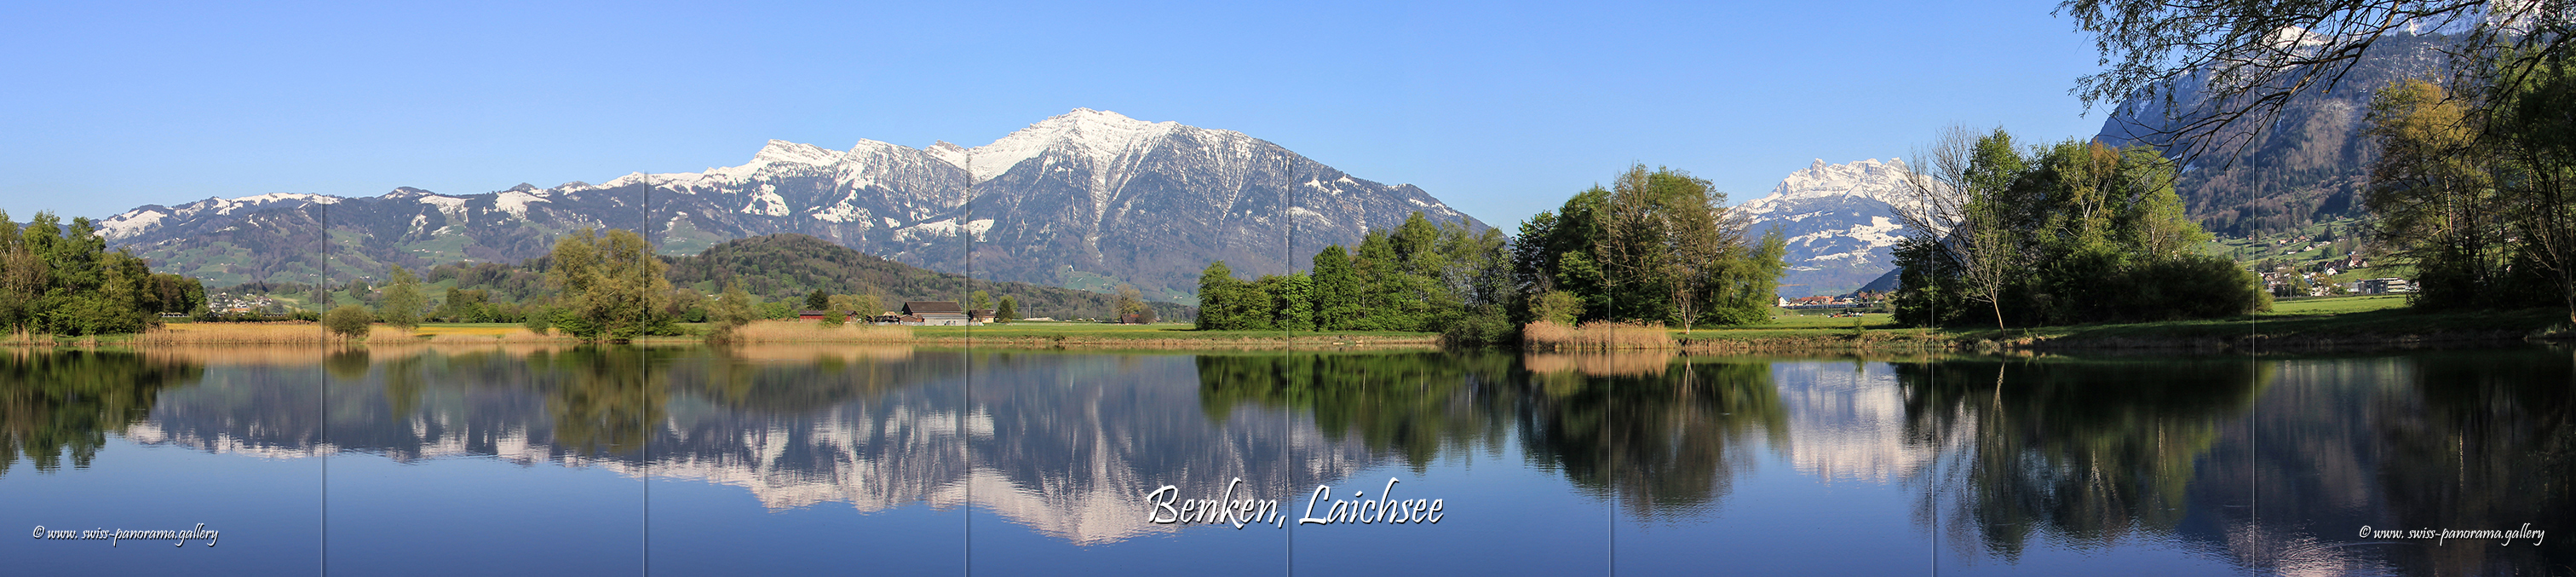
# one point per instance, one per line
(2309, 164)
(1840, 222)
(1087, 199)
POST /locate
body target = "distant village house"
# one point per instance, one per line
(936, 314)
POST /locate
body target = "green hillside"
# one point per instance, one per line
(787, 266)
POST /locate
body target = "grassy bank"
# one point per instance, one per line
(2330, 322)
(1025, 334)
(1161, 335)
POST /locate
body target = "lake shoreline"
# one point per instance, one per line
(2352, 323)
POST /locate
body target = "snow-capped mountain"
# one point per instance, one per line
(1086, 199)
(1840, 221)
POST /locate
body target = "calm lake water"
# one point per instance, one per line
(896, 461)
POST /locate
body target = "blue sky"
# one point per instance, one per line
(1501, 109)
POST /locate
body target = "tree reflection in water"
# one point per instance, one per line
(64, 402)
(2274, 463)
(1664, 436)
(1413, 405)
(1667, 445)
(603, 398)
(2086, 453)
(2475, 443)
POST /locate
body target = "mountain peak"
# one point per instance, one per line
(777, 151)
(1099, 134)
(947, 151)
(1089, 116)
(1871, 179)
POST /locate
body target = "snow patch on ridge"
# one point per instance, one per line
(767, 202)
(515, 202)
(447, 205)
(945, 228)
(133, 222)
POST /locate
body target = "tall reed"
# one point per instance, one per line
(290, 332)
(1595, 335)
(810, 332)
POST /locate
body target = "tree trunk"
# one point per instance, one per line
(1997, 300)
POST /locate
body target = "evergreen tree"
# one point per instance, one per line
(1009, 311)
(1382, 287)
(1337, 290)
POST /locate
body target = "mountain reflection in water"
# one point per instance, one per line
(2269, 465)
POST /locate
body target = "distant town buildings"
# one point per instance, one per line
(2381, 286)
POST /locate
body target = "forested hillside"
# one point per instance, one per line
(782, 269)
(789, 266)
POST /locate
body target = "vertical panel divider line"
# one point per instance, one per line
(322, 391)
(644, 383)
(965, 438)
(1288, 359)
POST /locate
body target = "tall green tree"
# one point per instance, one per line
(1337, 290)
(1295, 303)
(1383, 306)
(612, 287)
(2434, 192)
(731, 311)
(2532, 95)
(2068, 233)
(1009, 310)
(1655, 246)
(403, 300)
(1221, 306)
(62, 280)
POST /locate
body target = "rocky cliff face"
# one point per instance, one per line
(1840, 222)
(1087, 199)
(2309, 164)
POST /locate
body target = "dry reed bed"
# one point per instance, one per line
(801, 332)
(289, 332)
(1595, 335)
(306, 355)
(302, 332)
